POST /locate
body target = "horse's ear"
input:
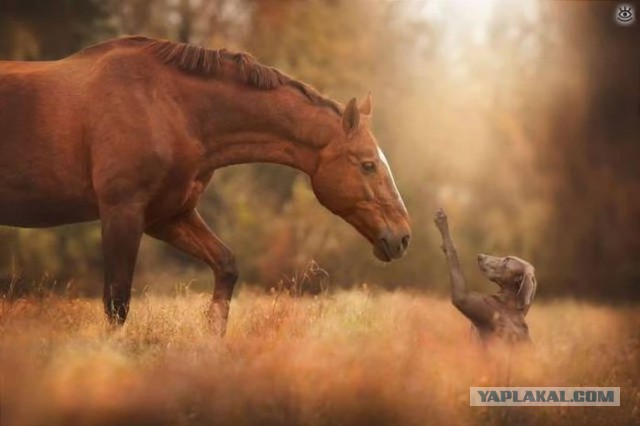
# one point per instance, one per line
(527, 291)
(366, 107)
(351, 118)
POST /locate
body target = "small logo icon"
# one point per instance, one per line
(625, 14)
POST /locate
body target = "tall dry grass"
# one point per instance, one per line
(355, 357)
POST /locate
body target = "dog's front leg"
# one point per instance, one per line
(471, 304)
(458, 286)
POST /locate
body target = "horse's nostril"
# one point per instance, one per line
(405, 241)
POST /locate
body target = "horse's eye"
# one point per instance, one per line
(368, 166)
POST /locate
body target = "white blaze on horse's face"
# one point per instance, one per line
(383, 160)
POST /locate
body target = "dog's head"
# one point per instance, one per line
(511, 274)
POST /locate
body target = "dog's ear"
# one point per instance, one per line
(527, 291)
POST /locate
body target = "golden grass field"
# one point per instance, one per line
(352, 357)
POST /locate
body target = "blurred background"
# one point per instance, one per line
(521, 119)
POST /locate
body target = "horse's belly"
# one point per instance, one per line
(44, 195)
(44, 213)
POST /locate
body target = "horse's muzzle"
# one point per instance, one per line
(389, 246)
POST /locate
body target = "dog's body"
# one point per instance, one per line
(500, 315)
(506, 323)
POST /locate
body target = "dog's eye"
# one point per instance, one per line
(368, 166)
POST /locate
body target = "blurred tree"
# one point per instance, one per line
(594, 231)
(50, 29)
(520, 119)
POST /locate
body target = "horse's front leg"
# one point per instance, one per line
(189, 233)
(122, 227)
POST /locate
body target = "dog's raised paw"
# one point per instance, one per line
(440, 218)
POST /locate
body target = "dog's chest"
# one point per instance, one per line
(510, 326)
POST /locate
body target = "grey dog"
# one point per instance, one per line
(499, 315)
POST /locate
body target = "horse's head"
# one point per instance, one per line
(354, 181)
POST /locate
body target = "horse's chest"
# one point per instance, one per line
(177, 197)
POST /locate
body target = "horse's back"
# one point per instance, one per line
(33, 95)
(71, 128)
(43, 166)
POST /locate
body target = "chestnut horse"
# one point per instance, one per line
(130, 131)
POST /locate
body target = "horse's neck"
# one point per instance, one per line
(246, 125)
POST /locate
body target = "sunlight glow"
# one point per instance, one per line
(462, 16)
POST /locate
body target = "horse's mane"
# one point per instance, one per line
(209, 62)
